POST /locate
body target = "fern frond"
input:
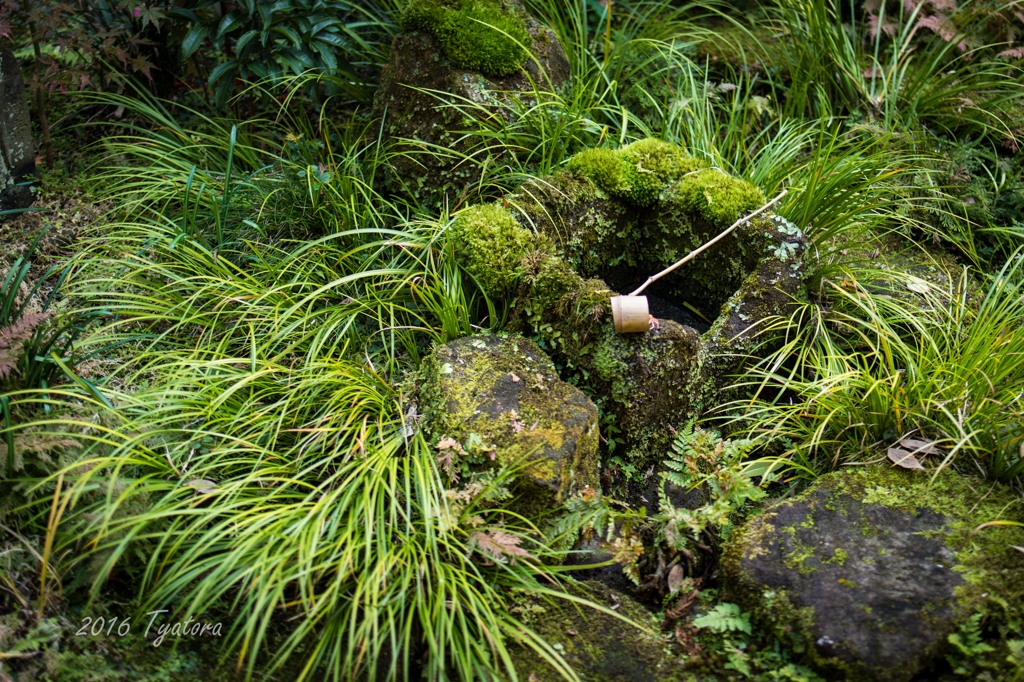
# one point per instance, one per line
(724, 617)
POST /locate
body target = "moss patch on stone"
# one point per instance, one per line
(718, 197)
(599, 646)
(501, 398)
(478, 35)
(490, 245)
(903, 544)
(637, 173)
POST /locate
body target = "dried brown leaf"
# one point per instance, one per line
(675, 579)
(686, 637)
(920, 447)
(903, 458)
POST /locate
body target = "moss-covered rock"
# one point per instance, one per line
(477, 35)
(501, 395)
(872, 569)
(610, 220)
(598, 646)
(622, 215)
(446, 56)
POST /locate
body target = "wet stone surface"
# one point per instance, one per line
(871, 570)
(17, 151)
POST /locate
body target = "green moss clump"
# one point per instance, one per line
(604, 167)
(477, 35)
(654, 165)
(491, 245)
(718, 197)
(637, 173)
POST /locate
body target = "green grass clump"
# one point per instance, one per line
(475, 34)
(490, 244)
(888, 355)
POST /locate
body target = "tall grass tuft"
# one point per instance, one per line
(900, 78)
(889, 355)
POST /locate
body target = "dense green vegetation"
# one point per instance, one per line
(208, 401)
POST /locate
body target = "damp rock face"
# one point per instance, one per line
(445, 49)
(870, 571)
(568, 242)
(500, 397)
(17, 153)
(598, 646)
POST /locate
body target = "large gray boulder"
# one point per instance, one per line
(500, 399)
(871, 570)
(17, 152)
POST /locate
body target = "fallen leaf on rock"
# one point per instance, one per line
(920, 447)
(904, 453)
(903, 458)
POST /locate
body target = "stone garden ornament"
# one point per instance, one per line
(630, 313)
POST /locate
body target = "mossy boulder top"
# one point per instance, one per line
(871, 570)
(483, 53)
(477, 35)
(561, 246)
(501, 395)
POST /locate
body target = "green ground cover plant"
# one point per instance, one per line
(209, 403)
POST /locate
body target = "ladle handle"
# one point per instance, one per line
(700, 249)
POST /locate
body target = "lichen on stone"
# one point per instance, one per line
(501, 395)
(891, 565)
(479, 35)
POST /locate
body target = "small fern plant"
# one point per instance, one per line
(724, 617)
(700, 460)
(33, 351)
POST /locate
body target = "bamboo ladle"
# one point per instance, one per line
(631, 313)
